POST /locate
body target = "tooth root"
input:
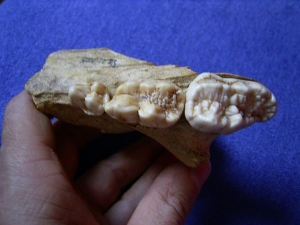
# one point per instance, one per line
(159, 103)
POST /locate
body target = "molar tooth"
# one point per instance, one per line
(237, 99)
(160, 103)
(163, 105)
(124, 108)
(129, 87)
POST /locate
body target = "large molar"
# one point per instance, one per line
(225, 105)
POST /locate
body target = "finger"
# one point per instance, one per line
(31, 174)
(28, 137)
(129, 201)
(172, 195)
(69, 140)
(102, 185)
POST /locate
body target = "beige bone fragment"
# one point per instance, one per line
(116, 93)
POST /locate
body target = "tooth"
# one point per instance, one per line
(90, 98)
(77, 93)
(124, 108)
(129, 87)
(160, 103)
(225, 105)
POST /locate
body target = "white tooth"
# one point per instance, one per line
(149, 115)
(147, 87)
(96, 100)
(124, 108)
(160, 103)
(129, 87)
(77, 94)
(225, 105)
(235, 122)
(90, 98)
(206, 103)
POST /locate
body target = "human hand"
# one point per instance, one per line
(38, 161)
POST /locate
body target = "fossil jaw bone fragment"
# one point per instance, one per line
(75, 86)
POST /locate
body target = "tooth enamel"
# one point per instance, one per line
(129, 87)
(77, 94)
(160, 103)
(225, 105)
(90, 98)
(124, 108)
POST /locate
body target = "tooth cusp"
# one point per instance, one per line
(225, 105)
(124, 108)
(90, 98)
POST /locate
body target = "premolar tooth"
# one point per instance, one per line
(77, 94)
(90, 98)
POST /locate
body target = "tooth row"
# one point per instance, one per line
(150, 103)
(212, 104)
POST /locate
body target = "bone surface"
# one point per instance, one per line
(116, 93)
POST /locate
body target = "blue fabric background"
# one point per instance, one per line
(255, 172)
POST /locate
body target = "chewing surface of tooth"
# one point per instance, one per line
(90, 98)
(225, 105)
(124, 108)
(149, 103)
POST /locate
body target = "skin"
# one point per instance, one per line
(38, 161)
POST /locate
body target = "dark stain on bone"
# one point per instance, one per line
(110, 62)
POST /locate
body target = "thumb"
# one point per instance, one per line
(27, 135)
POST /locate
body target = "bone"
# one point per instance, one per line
(115, 93)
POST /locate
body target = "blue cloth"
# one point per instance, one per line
(255, 172)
